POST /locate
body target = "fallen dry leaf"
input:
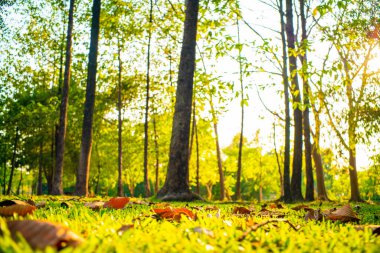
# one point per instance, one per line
(174, 213)
(41, 234)
(343, 214)
(117, 202)
(96, 206)
(10, 207)
(241, 210)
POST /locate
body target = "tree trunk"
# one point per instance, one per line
(321, 189)
(120, 190)
(157, 181)
(296, 180)
(306, 121)
(191, 139)
(239, 165)
(197, 150)
(285, 79)
(5, 176)
(176, 186)
(39, 183)
(355, 195)
(58, 173)
(17, 136)
(19, 186)
(278, 162)
(146, 124)
(219, 160)
(209, 190)
(81, 187)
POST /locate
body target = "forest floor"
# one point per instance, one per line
(73, 224)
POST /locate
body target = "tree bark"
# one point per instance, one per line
(306, 120)
(296, 180)
(278, 162)
(197, 162)
(239, 165)
(176, 186)
(81, 187)
(146, 124)
(58, 172)
(219, 161)
(321, 189)
(120, 190)
(285, 79)
(17, 136)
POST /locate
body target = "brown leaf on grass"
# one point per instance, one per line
(96, 206)
(343, 214)
(241, 210)
(41, 234)
(313, 215)
(124, 228)
(276, 206)
(10, 207)
(302, 207)
(211, 208)
(117, 202)
(174, 213)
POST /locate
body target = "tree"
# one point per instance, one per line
(58, 173)
(306, 91)
(146, 124)
(176, 186)
(353, 78)
(81, 187)
(297, 113)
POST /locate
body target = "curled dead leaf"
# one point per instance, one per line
(117, 202)
(241, 210)
(343, 214)
(41, 234)
(10, 207)
(174, 213)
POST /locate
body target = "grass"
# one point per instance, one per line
(211, 232)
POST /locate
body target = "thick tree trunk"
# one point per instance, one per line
(146, 124)
(176, 186)
(120, 190)
(285, 79)
(39, 182)
(58, 172)
(17, 136)
(306, 121)
(355, 195)
(297, 113)
(83, 173)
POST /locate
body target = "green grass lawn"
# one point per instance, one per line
(218, 230)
